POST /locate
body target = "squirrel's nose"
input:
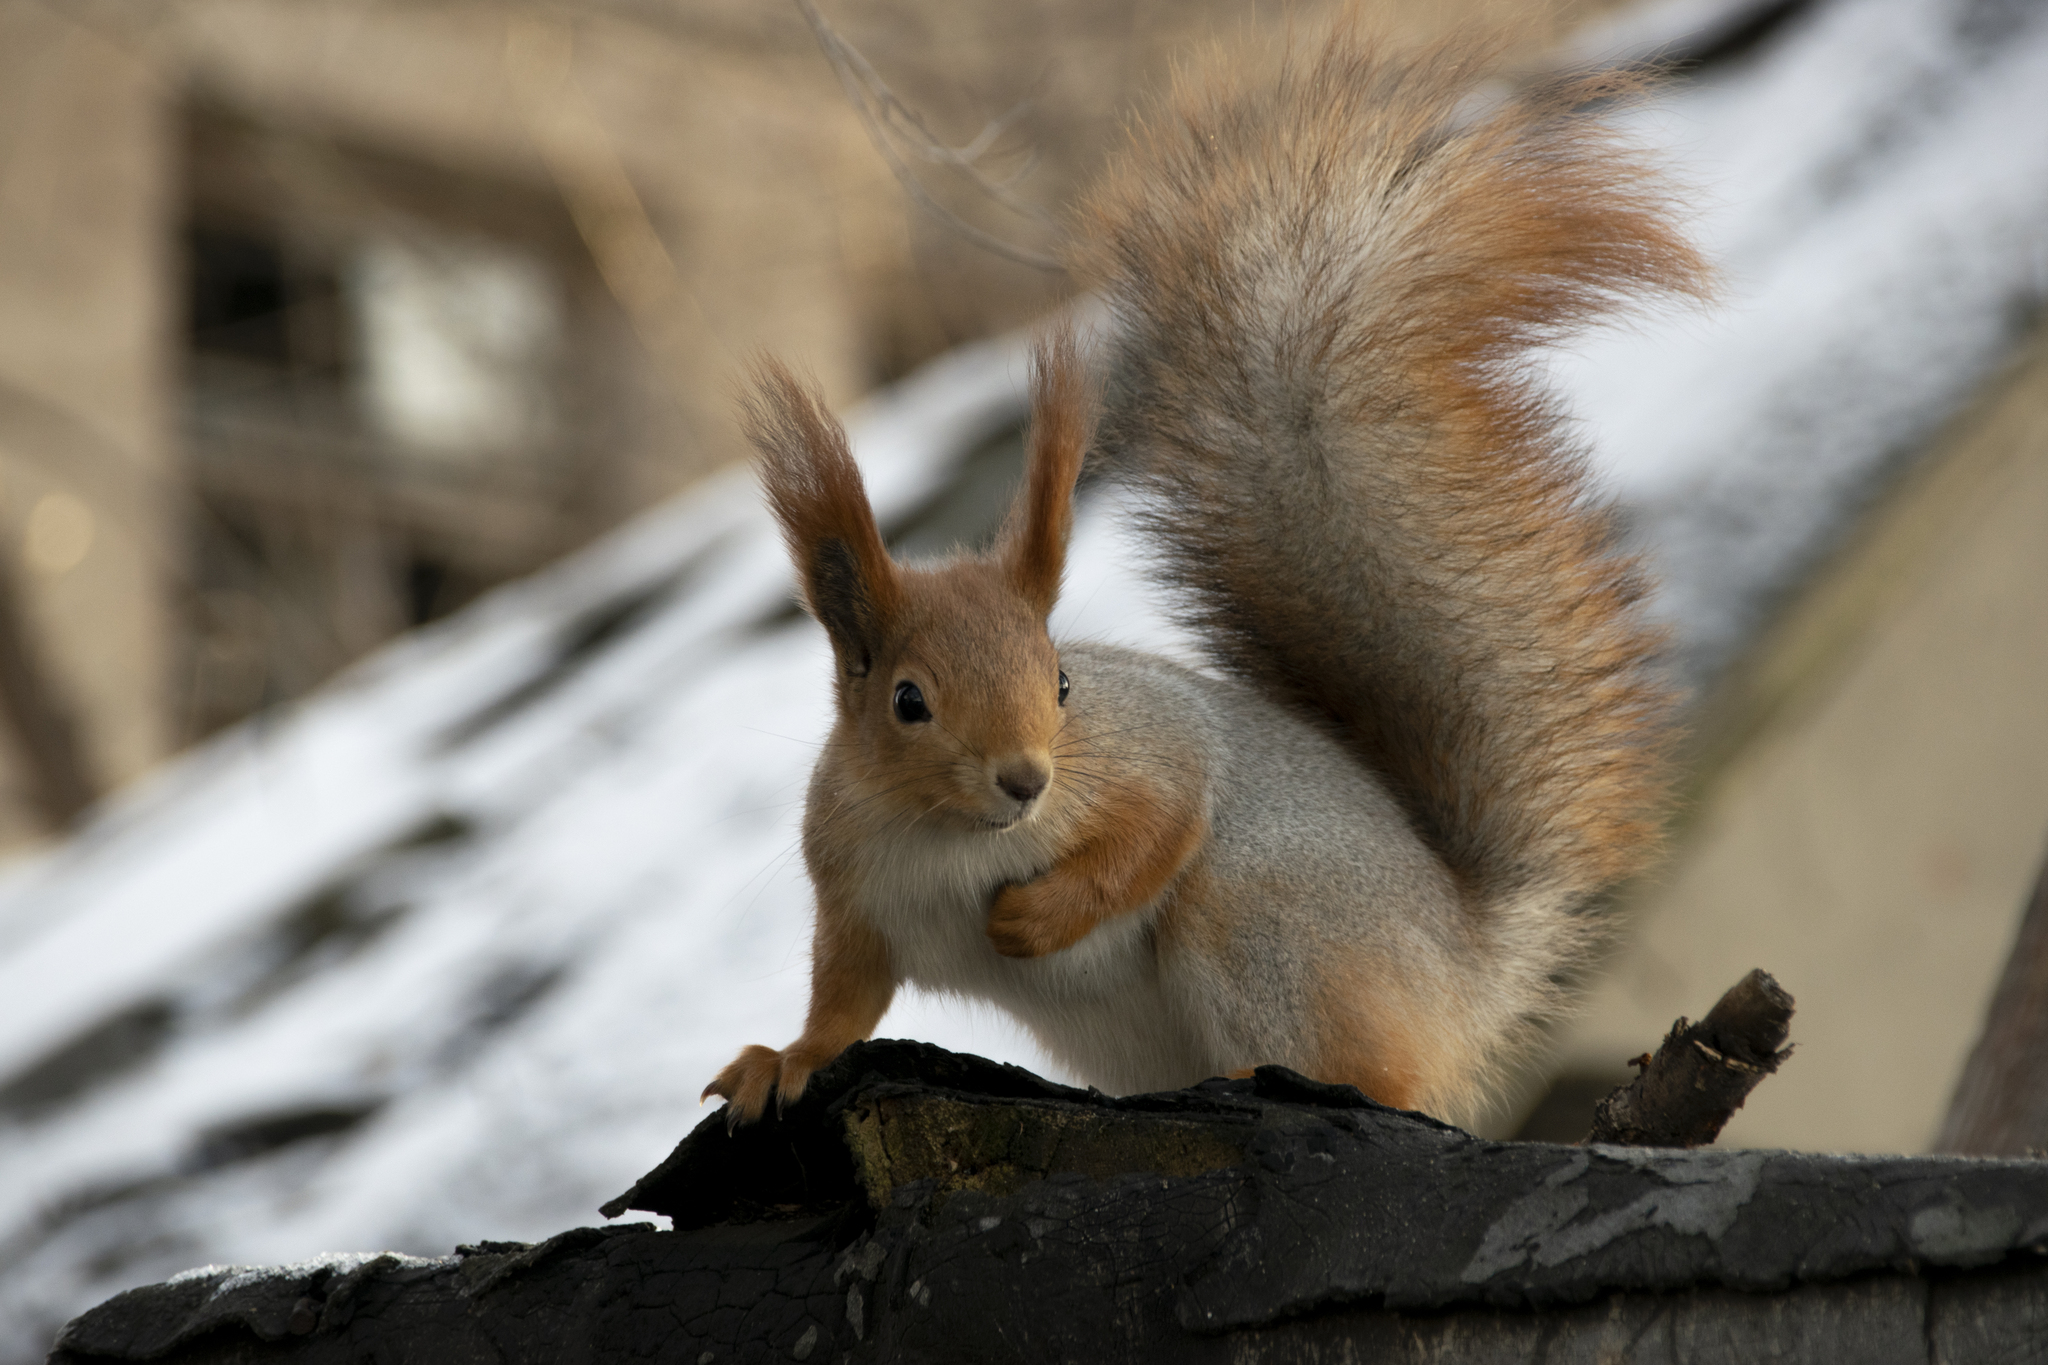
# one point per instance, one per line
(1023, 783)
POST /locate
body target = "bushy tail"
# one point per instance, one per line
(1328, 289)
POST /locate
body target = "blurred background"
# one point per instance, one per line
(403, 718)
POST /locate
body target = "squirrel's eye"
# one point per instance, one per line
(910, 707)
(1065, 687)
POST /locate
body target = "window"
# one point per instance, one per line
(402, 386)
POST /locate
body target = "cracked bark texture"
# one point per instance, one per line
(922, 1206)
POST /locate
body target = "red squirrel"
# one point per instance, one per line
(1362, 845)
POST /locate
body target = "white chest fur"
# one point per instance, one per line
(1100, 1007)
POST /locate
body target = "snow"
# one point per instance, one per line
(233, 1277)
(483, 916)
(1876, 192)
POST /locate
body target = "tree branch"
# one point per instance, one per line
(888, 119)
(1684, 1095)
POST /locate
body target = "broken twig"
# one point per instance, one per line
(1684, 1095)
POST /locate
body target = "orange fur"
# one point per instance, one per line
(1035, 537)
(1137, 841)
(1492, 664)
(851, 987)
(971, 635)
(1376, 1035)
(815, 490)
(1326, 290)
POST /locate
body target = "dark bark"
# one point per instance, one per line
(2001, 1102)
(1703, 1072)
(918, 1206)
(45, 734)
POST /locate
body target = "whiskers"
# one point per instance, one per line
(1100, 768)
(858, 799)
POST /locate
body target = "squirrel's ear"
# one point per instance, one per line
(814, 488)
(1034, 539)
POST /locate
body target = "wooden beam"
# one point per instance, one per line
(2001, 1102)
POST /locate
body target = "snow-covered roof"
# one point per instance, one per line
(447, 951)
(1873, 187)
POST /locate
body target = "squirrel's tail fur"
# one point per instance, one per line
(1327, 292)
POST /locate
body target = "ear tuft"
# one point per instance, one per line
(1034, 540)
(815, 491)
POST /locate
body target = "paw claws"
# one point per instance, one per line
(755, 1076)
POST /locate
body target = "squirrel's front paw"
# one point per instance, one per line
(1028, 921)
(753, 1075)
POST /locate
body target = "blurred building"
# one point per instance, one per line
(317, 320)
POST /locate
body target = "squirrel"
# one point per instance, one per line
(1363, 844)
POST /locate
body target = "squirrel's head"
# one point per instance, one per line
(949, 689)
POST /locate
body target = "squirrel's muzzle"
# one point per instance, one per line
(1023, 779)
